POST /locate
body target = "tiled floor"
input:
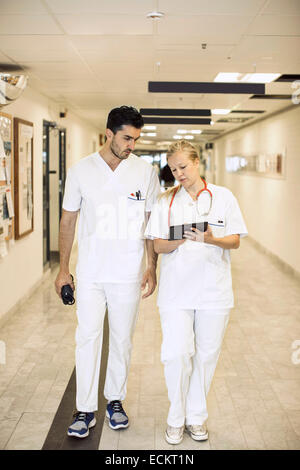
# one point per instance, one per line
(254, 401)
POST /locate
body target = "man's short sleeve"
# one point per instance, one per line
(157, 226)
(72, 193)
(234, 222)
(153, 191)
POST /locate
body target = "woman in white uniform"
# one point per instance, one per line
(195, 288)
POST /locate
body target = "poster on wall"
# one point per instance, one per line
(23, 180)
(6, 183)
(269, 165)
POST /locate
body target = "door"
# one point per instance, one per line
(54, 174)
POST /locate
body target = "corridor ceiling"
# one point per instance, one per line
(92, 55)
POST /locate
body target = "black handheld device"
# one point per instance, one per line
(177, 231)
(67, 294)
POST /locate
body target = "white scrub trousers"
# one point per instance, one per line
(122, 302)
(192, 341)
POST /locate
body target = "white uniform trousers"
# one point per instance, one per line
(122, 302)
(191, 346)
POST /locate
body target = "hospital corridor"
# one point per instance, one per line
(254, 401)
(149, 227)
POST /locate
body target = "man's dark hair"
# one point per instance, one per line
(124, 116)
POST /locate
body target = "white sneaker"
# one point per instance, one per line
(197, 432)
(174, 435)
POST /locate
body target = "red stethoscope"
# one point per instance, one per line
(197, 196)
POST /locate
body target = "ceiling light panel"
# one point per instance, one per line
(220, 111)
(246, 77)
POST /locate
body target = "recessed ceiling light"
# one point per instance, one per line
(151, 134)
(220, 111)
(182, 131)
(145, 142)
(246, 77)
(260, 77)
(149, 128)
(177, 136)
(227, 77)
(189, 137)
(196, 131)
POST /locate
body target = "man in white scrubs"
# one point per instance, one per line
(113, 190)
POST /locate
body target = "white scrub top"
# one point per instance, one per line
(196, 275)
(112, 216)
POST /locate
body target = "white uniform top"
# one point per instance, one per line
(196, 275)
(112, 216)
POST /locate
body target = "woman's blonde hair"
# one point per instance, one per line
(180, 146)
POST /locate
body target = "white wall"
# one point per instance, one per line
(22, 268)
(271, 207)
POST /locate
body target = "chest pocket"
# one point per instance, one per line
(136, 217)
(217, 225)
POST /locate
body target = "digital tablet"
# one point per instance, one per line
(176, 231)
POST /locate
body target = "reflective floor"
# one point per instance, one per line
(254, 401)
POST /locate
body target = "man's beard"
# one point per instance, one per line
(120, 157)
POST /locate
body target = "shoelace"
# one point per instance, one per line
(117, 406)
(80, 416)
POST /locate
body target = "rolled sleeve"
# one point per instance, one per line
(153, 191)
(72, 193)
(235, 224)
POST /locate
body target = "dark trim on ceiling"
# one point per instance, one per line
(235, 120)
(271, 97)
(206, 87)
(174, 112)
(288, 77)
(160, 120)
(246, 111)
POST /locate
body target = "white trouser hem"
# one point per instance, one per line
(188, 375)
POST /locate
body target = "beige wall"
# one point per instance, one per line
(271, 207)
(22, 268)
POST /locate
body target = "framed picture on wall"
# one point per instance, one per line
(23, 177)
(6, 181)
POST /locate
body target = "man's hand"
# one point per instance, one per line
(150, 279)
(62, 279)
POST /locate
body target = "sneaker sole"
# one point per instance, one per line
(172, 441)
(91, 425)
(118, 426)
(197, 438)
